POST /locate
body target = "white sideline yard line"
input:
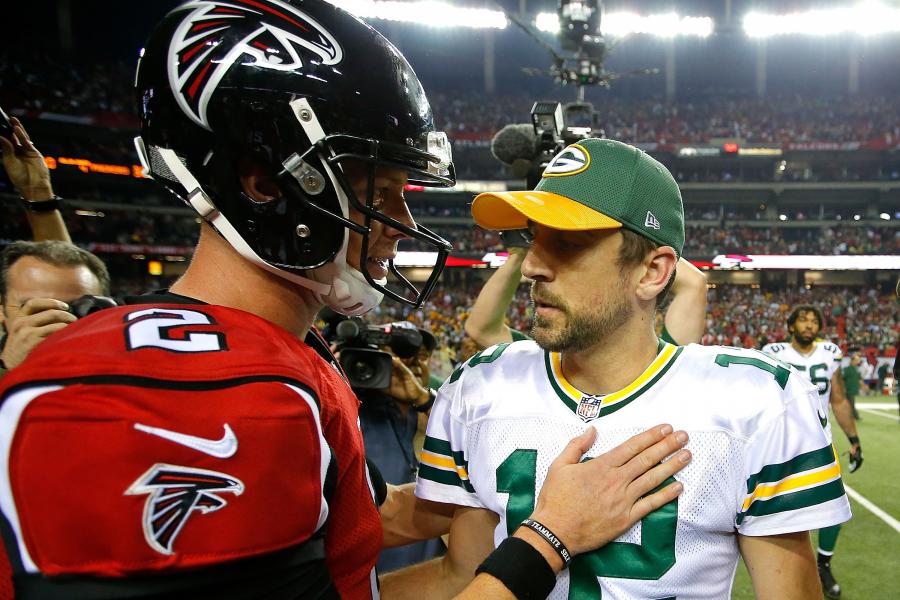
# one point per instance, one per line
(876, 404)
(877, 412)
(891, 521)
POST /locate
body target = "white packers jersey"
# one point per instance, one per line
(762, 463)
(818, 366)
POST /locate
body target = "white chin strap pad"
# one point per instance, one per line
(350, 295)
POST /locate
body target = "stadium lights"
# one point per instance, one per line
(426, 12)
(867, 18)
(885, 217)
(620, 24)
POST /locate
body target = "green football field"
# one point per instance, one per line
(867, 557)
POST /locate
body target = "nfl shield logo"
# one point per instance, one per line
(589, 407)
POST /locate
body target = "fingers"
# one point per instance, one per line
(575, 449)
(652, 456)
(47, 330)
(47, 317)
(655, 501)
(35, 305)
(661, 472)
(20, 132)
(633, 446)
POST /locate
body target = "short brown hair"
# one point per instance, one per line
(55, 252)
(634, 248)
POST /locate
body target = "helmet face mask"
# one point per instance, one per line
(210, 98)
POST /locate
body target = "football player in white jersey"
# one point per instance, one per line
(821, 363)
(607, 230)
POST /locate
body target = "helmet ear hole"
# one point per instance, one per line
(255, 181)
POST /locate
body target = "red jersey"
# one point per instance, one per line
(171, 438)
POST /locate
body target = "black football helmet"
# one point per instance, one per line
(299, 87)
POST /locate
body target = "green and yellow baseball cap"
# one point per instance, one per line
(594, 184)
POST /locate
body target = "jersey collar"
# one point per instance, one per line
(589, 407)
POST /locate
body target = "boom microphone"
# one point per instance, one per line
(514, 146)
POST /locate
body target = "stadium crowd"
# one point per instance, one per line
(773, 120)
(702, 241)
(856, 318)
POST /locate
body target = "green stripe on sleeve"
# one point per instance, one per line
(438, 446)
(795, 501)
(798, 464)
(444, 477)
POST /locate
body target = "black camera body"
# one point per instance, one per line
(367, 367)
(88, 305)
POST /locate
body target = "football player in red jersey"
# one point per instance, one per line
(201, 440)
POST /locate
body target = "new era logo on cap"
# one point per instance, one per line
(651, 221)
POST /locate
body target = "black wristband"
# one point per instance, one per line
(40, 206)
(854, 439)
(426, 406)
(521, 568)
(548, 535)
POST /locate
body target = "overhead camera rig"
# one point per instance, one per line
(583, 49)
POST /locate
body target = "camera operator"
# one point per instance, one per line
(391, 420)
(39, 281)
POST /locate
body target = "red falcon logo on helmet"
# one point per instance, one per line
(175, 493)
(200, 55)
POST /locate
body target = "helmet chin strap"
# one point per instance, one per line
(349, 294)
(336, 284)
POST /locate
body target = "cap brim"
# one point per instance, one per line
(513, 210)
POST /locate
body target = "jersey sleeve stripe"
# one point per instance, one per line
(800, 463)
(794, 501)
(437, 446)
(764, 492)
(438, 455)
(444, 477)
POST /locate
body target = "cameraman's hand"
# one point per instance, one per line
(36, 319)
(25, 165)
(405, 385)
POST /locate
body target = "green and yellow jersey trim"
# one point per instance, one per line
(571, 396)
(806, 480)
(441, 464)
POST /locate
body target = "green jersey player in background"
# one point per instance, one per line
(820, 362)
(607, 229)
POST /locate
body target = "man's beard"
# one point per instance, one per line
(580, 331)
(805, 339)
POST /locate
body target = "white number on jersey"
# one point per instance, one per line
(151, 328)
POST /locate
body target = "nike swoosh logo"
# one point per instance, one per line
(822, 419)
(223, 448)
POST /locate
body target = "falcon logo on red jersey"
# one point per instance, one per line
(202, 52)
(175, 493)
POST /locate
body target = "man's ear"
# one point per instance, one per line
(659, 267)
(256, 181)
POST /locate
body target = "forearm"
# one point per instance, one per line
(686, 316)
(444, 578)
(843, 414)
(434, 579)
(406, 519)
(486, 320)
(48, 226)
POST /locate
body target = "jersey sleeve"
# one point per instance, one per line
(443, 467)
(793, 479)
